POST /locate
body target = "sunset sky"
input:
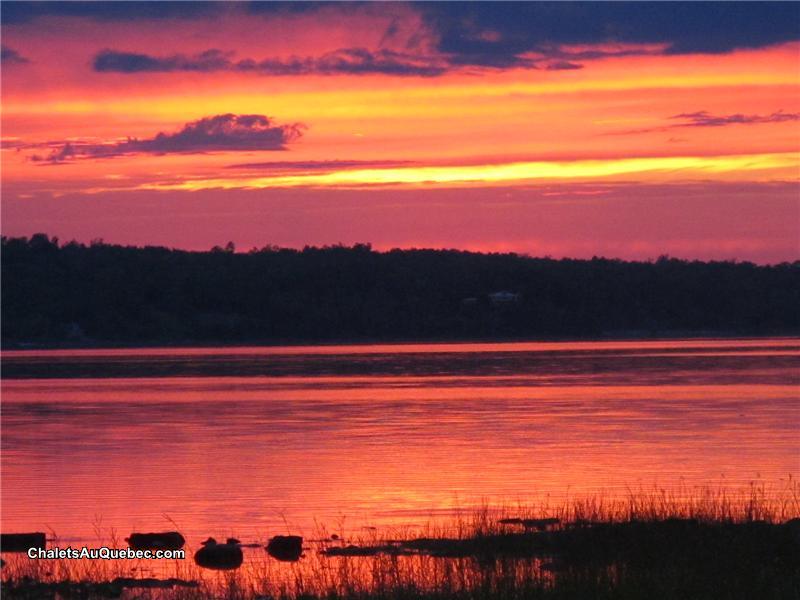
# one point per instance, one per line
(626, 130)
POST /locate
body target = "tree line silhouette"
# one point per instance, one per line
(100, 293)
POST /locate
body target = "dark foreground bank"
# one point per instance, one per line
(102, 294)
(669, 558)
(710, 545)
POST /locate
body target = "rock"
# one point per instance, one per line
(21, 542)
(168, 540)
(287, 548)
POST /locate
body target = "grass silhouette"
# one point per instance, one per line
(653, 544)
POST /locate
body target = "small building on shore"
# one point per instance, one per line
(504, 297)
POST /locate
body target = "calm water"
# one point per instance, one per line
(254, 441)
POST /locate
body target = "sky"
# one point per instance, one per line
(625, 130)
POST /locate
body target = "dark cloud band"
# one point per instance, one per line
(496, 35)
(490, 33)
(348, 61)
(345, 61)
(500, 33)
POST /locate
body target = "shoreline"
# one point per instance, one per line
(737, 552)
(22, 346)
(772, 501)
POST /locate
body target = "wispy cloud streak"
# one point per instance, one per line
(317, 166)
(9, 56)
(705, 119)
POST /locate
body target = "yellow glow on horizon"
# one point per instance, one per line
(787, 166)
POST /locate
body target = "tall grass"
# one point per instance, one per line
(729, 556)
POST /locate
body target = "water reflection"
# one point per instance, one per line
(379, 436)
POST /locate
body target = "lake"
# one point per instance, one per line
(257, 441)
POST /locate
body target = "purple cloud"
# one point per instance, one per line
(563, 65)
(226, 132)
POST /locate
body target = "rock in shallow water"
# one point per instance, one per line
(288, 548)
(21, 542)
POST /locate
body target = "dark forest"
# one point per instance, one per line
(101, 294)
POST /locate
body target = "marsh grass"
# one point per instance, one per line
(652, 543)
